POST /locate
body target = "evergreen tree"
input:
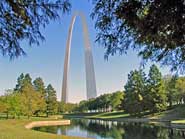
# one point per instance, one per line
(180, 87)
(40, 89)
(19, 82)
(39, 86)
(134, 92)
(28, 96)
(51, 100)
(171, 90)
(156, 95)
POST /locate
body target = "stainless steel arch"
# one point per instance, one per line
(90, 75)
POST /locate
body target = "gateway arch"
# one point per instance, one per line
(89, 66)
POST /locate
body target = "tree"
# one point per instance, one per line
(66, 107)
(38, 84)
(156, 95)
(134, 92)
(170, 88)
(153, 27)
(92, 104)
(19, 84)
(82, 107)
(39, 87)
(10, 104)
(14, 104)
(22, 20)
(104, 102)
(3, 105)
(180, 86)
(51, 100)
(28, 97)
(116, 100)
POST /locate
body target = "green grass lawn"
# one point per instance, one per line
(178, 122)
(111, 115)
(14, 129)
(175, 114)
(102, 115)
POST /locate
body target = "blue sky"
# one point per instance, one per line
(47, 60)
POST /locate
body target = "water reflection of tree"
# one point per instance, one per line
(145, 131)
(126, 130)
(117, 130)
(100, 128)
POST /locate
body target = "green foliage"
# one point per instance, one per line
(66, 107)
(11, 104)
(19, 82)
(22, 19)
(29, 98)
(171, 90)
(155, 28)
(134, 92)
(103, 103)
(39, 87)
(180, 87)
(51, 100)
(116, 100)
(156, 94)
(83, 107)
(145, 93)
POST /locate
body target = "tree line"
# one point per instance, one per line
(29, 98)
(152, 93)
(142, 94)
(103, 103)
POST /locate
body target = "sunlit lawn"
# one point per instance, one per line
(100, 115)
(14, 129)
(112, 115)
(178, 121)
(175, 114)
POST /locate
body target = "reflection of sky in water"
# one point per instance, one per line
(77, 131)
(99, 129)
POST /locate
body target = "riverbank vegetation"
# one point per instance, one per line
(143, 94)
(29, 99)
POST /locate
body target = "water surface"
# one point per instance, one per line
(100, 129)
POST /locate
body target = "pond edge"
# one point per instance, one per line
(47, 123)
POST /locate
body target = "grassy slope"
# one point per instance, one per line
(102, 115)
(14, 129)
(177, 114)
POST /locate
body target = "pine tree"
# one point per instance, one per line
(156, 95)
(40, 89)
(19, 82)
(134, 92)
(51, 100)
(28, 96)
(170, 88)
(180, 88)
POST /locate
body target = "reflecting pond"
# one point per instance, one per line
(100, 129)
